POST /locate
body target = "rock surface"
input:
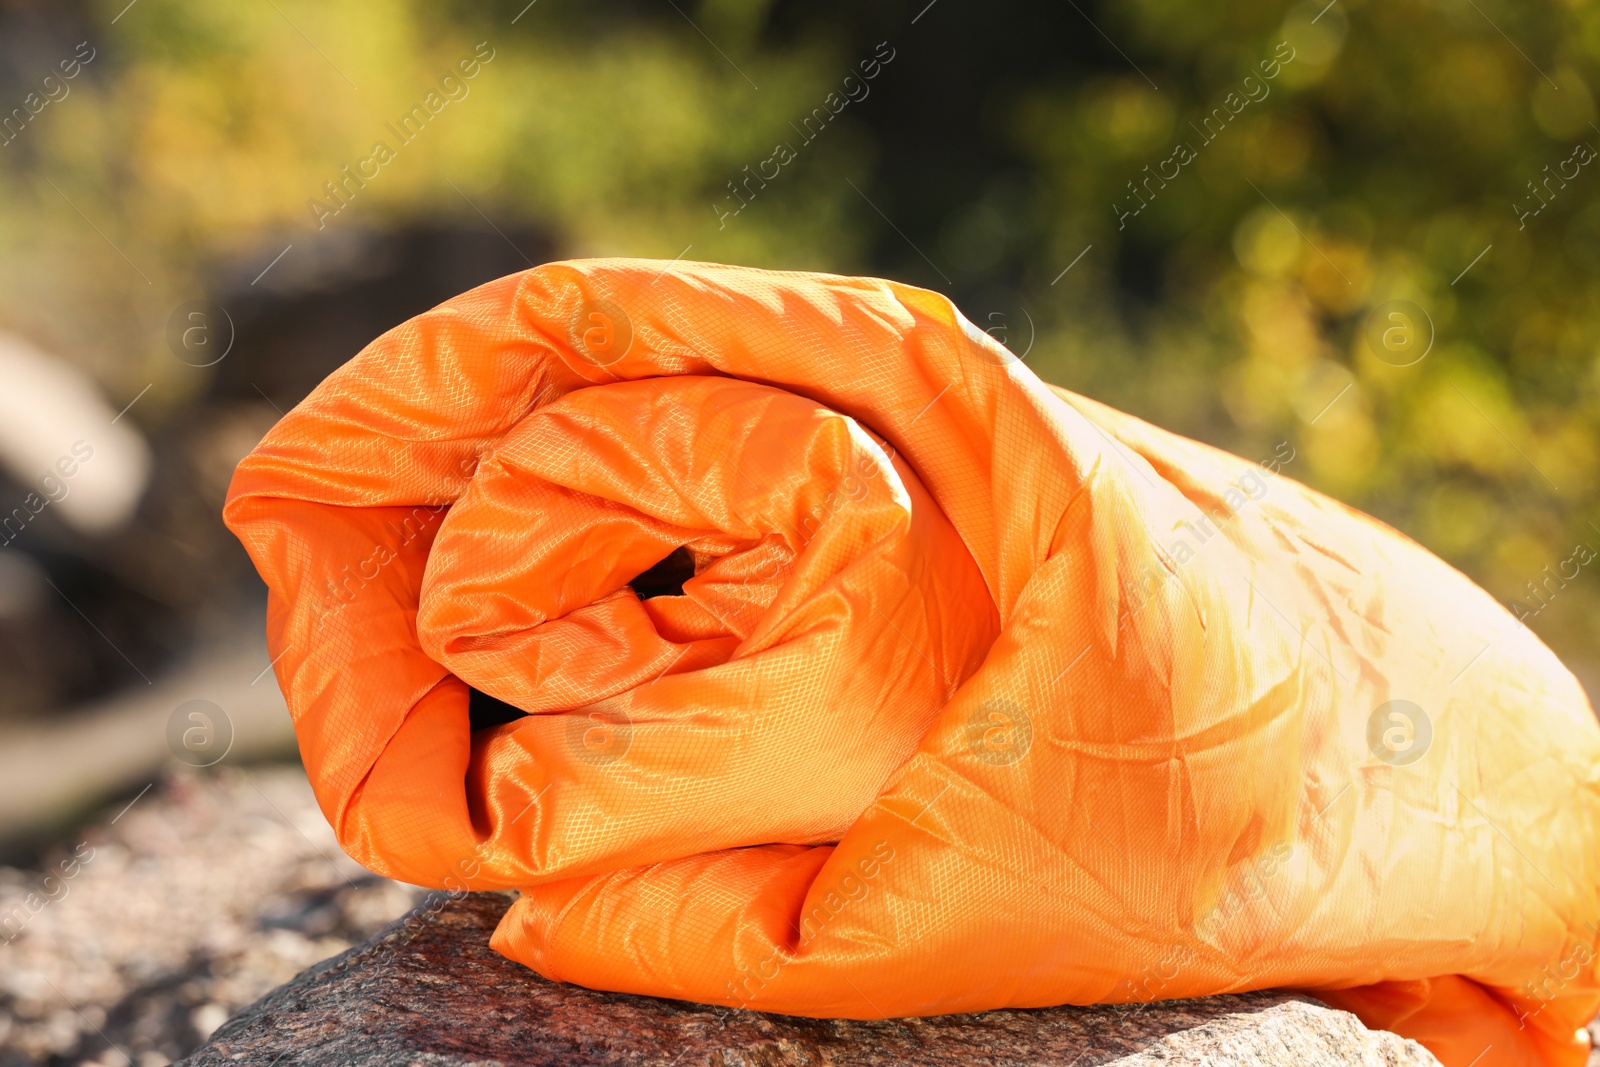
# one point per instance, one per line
(428, 990)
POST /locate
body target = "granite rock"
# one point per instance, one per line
(429, 991)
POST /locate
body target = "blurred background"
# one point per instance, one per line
(1363, 236)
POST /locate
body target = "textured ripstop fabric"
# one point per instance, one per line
(981, 694)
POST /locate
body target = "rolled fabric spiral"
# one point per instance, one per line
(853, 671)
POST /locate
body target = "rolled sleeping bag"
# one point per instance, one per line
(969, 692)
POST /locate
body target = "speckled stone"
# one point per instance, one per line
(428, 990)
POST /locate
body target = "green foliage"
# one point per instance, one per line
(1388, 155)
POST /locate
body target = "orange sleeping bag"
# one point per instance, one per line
(975, 694)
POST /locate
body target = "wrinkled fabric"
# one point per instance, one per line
(977, 693)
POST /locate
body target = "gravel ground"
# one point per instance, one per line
(141, 934)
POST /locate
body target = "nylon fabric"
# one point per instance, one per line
(981, 694)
